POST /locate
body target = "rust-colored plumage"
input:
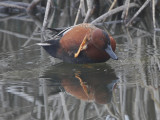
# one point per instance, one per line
(83, 43)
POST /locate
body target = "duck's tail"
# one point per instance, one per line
(50, 46)
(44, 44)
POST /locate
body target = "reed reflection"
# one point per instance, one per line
(93, 82)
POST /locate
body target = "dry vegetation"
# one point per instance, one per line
(107, 13)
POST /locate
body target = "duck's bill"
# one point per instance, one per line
(111, 53)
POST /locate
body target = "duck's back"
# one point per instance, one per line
(74, 37)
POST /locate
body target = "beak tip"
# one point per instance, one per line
(110, 52)
(115, 58)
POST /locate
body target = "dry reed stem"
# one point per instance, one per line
(125, 12)
(113, 4)
(11, 5)
(33, 4)
(111, 12)
(31, 37)
(90, 6)
(137, 13)
(78, 13)
(153, 14)
(18, 35)
(10, 17)
(111, 7)
(46, 15)
(157, 29)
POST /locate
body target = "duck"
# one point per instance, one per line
(81, 44)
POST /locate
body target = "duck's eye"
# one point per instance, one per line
(107, 36)
(109, 42)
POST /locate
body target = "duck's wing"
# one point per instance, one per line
(54, 39)
(60, 31)
(63, 32)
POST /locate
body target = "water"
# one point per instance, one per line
(34, 85)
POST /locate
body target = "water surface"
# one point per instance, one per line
(34, 85)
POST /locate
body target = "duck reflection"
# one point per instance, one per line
(93, 82)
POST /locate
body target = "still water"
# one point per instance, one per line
(35, 86)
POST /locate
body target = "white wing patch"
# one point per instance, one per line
(44, 44)
(67, 31)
